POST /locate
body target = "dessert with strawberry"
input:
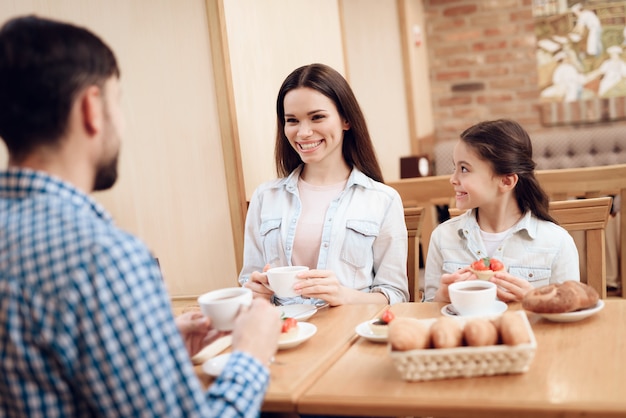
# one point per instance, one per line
(485, 268)
(289, 329)
(380, 325)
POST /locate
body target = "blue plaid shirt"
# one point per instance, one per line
(86, 326)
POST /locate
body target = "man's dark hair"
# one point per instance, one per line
(44, 64)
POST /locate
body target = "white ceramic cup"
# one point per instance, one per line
(282, 279)
(223, 305)
(472, 297)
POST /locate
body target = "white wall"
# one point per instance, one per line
(269, 39)
(375, 68)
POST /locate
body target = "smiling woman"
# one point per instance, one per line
(329, 209)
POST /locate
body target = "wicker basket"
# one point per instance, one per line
(444, 363)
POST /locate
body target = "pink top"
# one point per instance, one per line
(315, 201)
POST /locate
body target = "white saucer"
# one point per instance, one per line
(215, 365)
(305, 331)
(299, 312)
(498, 308)
(363, 330)
(573, 316)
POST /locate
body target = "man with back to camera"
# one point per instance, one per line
(86, 326)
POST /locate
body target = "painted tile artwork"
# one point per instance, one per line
(581, 57)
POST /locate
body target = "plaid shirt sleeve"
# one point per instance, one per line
(93, 334)
(149, 372)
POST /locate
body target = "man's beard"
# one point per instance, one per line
(106, 175)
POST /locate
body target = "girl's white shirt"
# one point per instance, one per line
(538, 251)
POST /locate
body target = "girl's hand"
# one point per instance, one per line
(460, 275)
(510, 288)
(259, 285)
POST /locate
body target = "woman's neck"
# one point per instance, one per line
(321, 175)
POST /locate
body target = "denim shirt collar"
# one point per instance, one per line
(527, 223)
(356, 178)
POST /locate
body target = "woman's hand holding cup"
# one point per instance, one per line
(259, 285)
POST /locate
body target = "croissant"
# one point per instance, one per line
(563, 297)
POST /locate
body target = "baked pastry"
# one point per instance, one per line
(380, 326)
(289, 329)
(563, 297)
(446, 333)
(408, 334)
(480, 332)
(512, 328)
(485, 268)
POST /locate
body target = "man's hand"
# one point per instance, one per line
(257, 330)
(196, 331)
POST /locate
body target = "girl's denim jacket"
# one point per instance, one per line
(536, 250)
(364, 237)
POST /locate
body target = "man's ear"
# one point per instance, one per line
(509, 181)
(92, 109)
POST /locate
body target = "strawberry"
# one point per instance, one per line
(481, 264)
(387, 316)
(496, 265)
(289, 323)
(487, 263)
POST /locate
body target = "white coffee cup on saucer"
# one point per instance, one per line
(473, 297)
(223, 305)
(282, 279)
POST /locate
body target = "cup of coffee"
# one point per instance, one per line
(223, 305)
(282, 279)
(472, 297)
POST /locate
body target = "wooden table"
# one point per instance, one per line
(579, 369)
(297, 368)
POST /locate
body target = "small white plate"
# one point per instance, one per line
(215, 365)
(498, 308)
(299, 312)
(574, 316)
(305, 331)
(363, 330)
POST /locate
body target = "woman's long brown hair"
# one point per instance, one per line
(358, 149)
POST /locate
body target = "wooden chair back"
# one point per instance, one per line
(590, 216)
(414, 218)
(560, 184)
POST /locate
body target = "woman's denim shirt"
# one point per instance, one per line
(364, 237)
(539, 251)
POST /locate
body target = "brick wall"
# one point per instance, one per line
(483, 64)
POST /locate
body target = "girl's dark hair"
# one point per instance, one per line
(44, 64)
(358, 150)
(508, 148)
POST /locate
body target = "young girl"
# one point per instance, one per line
(507, 218)
(329, 209)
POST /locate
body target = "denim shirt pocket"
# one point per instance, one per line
(452, 266)
(532, 274)
(270, 236)
(357, 245)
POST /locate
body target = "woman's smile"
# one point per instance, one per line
(309, 146)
